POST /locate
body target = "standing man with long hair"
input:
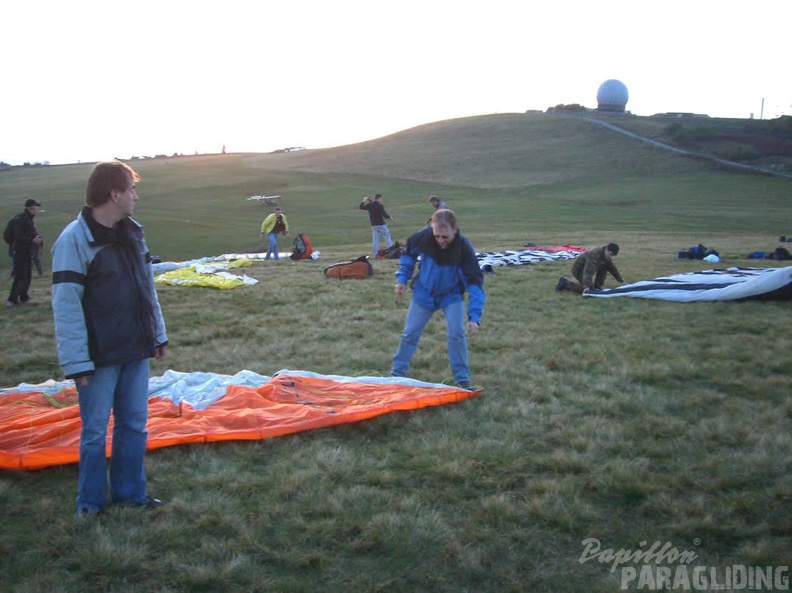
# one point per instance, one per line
(108, 323)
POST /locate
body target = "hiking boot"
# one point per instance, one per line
(562, 282)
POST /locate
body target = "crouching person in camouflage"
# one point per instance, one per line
(590, 270)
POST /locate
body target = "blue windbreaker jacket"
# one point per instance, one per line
(444, 275)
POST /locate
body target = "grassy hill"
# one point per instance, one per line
(491, 152)
(625, 421)
(511, 178)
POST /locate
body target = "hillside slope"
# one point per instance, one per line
(523, 176)
(494, 152)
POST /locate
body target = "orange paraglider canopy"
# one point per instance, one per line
(40, 429)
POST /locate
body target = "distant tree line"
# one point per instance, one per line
(6, 167)
(570, 107)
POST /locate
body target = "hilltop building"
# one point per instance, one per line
(612, 96)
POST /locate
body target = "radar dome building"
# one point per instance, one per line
(612, 96)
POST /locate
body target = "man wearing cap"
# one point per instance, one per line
(591, 268)
(26, 241)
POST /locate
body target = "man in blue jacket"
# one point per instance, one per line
(108, 323)
(448, 268)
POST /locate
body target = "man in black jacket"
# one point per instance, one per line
(26, 242)
(377, 216)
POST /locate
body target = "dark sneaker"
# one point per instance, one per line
(151, 503)
(562, 282)
(464, 384)
(148, 502)
(86, 512)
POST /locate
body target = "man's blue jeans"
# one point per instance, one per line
(124, 389)
(378, 230)
(417, 318)
(273, 245)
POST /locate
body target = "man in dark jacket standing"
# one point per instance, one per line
(590, 269)
(377, 216)
(26, 242)
(108, 323)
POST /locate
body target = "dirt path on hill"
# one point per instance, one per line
(697, 155)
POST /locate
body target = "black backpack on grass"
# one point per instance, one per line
(394, 251)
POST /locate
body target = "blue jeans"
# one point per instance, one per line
(273, 245)
(417, 318)
(124, 389)
(378, 230)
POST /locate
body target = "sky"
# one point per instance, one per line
(88, 80)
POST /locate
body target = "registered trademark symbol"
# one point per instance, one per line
(696, 541)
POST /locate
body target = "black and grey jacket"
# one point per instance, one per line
(103, 298)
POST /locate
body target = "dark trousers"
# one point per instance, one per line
(23, 274)
(573, 287)
(599, 280)
(37, 263)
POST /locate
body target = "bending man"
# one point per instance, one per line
(447, 270)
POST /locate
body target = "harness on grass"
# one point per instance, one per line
(356, 269)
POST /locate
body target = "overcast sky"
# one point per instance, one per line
(86, 80)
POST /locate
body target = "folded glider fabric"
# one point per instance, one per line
(40, 424)
(166, 266)
(210, 275)
(533, 255)
(731, 284)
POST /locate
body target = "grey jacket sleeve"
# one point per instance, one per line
(70, 260)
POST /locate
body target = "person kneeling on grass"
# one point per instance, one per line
(591, 268)
(448, 269)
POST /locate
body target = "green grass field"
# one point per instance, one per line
(622, 420)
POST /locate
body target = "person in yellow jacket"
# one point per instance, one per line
(273, 225)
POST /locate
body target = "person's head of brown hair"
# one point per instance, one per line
(106, 177)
